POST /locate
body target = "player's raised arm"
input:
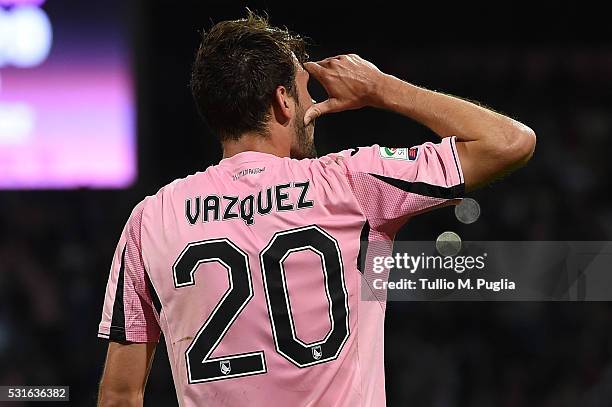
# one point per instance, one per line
(125, 374)
(489, 144)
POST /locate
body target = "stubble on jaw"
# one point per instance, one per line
(304, 146)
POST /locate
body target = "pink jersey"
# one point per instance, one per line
(250, 269)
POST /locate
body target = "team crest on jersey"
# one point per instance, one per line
(408, 154)
(225, 366)
(316, 352)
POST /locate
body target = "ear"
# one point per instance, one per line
(282, 105)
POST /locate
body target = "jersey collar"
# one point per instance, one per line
(248, 156)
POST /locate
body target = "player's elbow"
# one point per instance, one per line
(517, 148)
(113, 398)
(523, 146)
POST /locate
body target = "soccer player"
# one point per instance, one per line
(250, 268)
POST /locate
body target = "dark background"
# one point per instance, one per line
(549, 68)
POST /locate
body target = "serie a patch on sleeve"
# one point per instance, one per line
(407, 154)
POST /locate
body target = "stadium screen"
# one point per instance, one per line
(67, 115)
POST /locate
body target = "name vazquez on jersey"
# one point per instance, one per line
(281, 197)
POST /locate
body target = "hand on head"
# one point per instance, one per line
(350, 81)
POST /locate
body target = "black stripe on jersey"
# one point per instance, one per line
(456, 163)
(154, 295)
(422, 188)
(363, 246)
(117, 329)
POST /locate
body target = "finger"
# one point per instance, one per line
(319, 109)
(314, 69)
(331, 61)
(325, 63)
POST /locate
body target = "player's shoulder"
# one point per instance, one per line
(336, 160)
(164, 193)
(345, 159)
(170, 189)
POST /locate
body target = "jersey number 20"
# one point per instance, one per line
(203, 368)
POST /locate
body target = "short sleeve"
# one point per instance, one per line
(128, 312)
(395, 184)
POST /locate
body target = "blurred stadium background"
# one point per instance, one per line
(96, 113)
